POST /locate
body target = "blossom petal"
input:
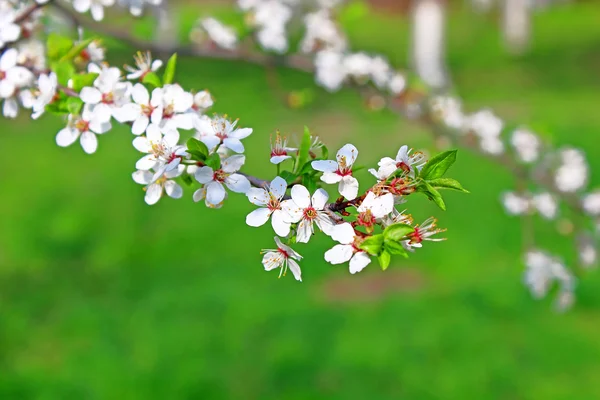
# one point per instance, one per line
(234, 163)
(142, 177)
(237, 183)
(258, 217)
(173, 189)
(349, 153)
(199, 194)
(292, 209)
(280, 223)
(204, 175)
(215, 193)
(331, 177)
(142, 144)
(339, 254)
(139, 125)
(349, 187)
(295, 268)
(258, 196)
(279, 159)
(153, 194)
(278, 187)
(324, 165)
(89, 142)
(241, 133)
(343, 233)
(301, 196)
(140, 94)
(90, 95)
(234, 145)
(359, 262)
(210, 141)
(66, 137)
(305, 231)
(402, 154)
(145, 163)
(319, 198)
(272, 260)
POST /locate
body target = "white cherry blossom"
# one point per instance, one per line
(165, 183)
(143, 65)
(9, 31)
(143, 110)
(47, 86)
(223, 36)
(340, 171)
(219, 130)
(108, 94)
(280, 150)
(349, 250)
(404, 161)
(269, 200)
(226, 175)
(374, 208)
(96, 7)
(307, 210)
(85, 128)
(282, 257)
(163, 152)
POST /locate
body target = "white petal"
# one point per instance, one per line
(359, 262)
(102, 113)
(139, 125)
(156, 64)
(241, 133)
(343, 233)
(324, 165)
(153, 193)
(291, 208)
(210, 141)
(349, 187)
(234, 144)
(142, 144)
(66, 137)
(233, 163)
(89, 142)
(349, 152)
(142, 177)
(272, 260)
(90, 95)
(7, 88)
(140, 94)
(278, 187)
(301, 196)
(402, 154)
(280, 223)
(339, 254)
(319, 199)
(279, 159)
(258, 217)
(145, 163)
(215, 193)
(100, 127)
(237, 183)
(173, 189)
(295, 268)
(127, 112)
(9, 59)
(305, 231)
(204, 175)
(384, 205)
(153, 133)
(331, 177)
(258, 196)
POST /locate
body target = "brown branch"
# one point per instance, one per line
(30, 10)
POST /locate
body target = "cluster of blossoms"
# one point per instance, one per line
(93, 96)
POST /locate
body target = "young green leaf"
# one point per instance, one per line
(447, 183)
(288, 176)
(434, 195)
(170, 70)
(82, 80)
(396, 232)
(303, 152)
(74, 105)
(438, 165)
(214, 161)
(309, 182)
(197, 148)
(384, 259)
(324, 152)
(57, 46)
(395, 248)
(76, 50)
(372, 245)
(64, 71)
(152, 79)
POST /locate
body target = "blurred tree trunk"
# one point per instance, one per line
(166, 32)
(428, 45)
(516, 25)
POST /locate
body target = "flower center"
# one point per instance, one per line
(366, 219)
(85, 55)
(310, 213)
(274, 203)
(2, 75)
(147, 110)
(282, 251)
(416, 236)
(82, 125)
(220, 175)
(108, 98)
(403, 166)
(399, 186)
(278, 152)
(343, 169)
(169, 111)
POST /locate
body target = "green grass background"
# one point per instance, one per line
(103, 297)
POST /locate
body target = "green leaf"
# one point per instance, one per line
(353, 12)
(64, 71)
(447, 183)
(307, 169)
(395, 248)
(396, 232)
(304, 150)
(324, 152)
(214, 161)
(59, 105)
(82, 80)
(197, 149)
(187, 179)
(372, 245)
(170, 70)
(309, 182)
(434, 196)
(58, 46)
(288, 176)
(152, 79)
(384, 259)
(438, 165)
(74, 105)
(76, 50)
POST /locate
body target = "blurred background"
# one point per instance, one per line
(104, 297)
